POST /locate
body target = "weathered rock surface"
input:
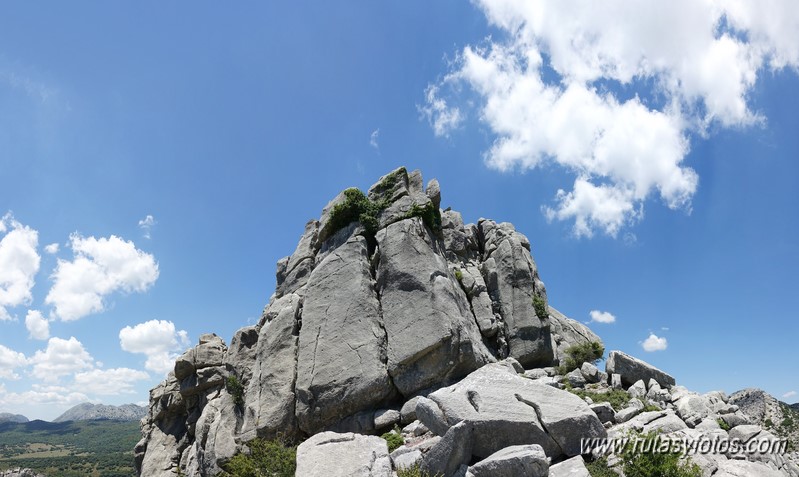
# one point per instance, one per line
(19, 472)
(329, 454)
(567, 332)
(408, 313)
(513, 461)
(633, 369)
(507, 409)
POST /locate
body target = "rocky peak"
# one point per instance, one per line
(385, 298)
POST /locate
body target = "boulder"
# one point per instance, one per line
(632, 369)
(451, 452)
(385, 418)
(575, 378)
(408, 411)
(329, 454)
(513, 461)
(742, 468)
(604, 411)
(590, 373)
(340, 367)
(637, 390)
(508, 409)
(574, 467)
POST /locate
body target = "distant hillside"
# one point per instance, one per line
(89, 412)
(70, 449)
(8, 417)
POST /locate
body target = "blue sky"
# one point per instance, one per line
(670, 134)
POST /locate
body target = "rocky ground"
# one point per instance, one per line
(393, 312)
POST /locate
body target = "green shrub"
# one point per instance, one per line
(653, 463)
(394, 440)
(414, 471)
(600, 468)
(723, 424)
(617, 398)
(768, 423)
(540, 307)
(272, 458)
(430, 215)
(235, 389)
(459, 274)
(650, 408)
(576, 355)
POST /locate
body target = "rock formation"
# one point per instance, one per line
(392, 311)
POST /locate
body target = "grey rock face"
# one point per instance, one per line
(567, 332)
(341, 363)
(269, 397)
(329, 454)
(360, 320)
(432, 336)
(507, 409)
(633, 369)
(512, 281)
(513, 461)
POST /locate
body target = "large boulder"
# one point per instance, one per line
(633, 369)
(513, 461)
(574, 467)
(507, 409)
(329, 454)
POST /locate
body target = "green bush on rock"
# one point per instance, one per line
(273, 458)
(576, 355)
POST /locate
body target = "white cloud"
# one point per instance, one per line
(559, 84)
(602, 316)
(789, 394)
(62, 357)
(373, 138)
(37, 325)
(100, 267)
(655, 343)
(146, 224)
(9, 361)
(52, 248)
(19, 263)
(54, 395)
(109, 382)
(156, 339)
(442, 117)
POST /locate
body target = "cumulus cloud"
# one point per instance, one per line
(611, 91)
(52, 248)
(37, 325)
(109, 382)
(100, 267)
(19, 263)
(9, 361)
(156, 339)
(146, 224)
(61, 358)
(58, 396)
(655, 343)
(602, 316)
(789, 394)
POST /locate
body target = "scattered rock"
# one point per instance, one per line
(513, 461)
(329, 454)
(632, 369)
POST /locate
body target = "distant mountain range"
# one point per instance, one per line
(89, 412)
(8, 417)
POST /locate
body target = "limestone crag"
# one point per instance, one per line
(385, 298)
(393, 312)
